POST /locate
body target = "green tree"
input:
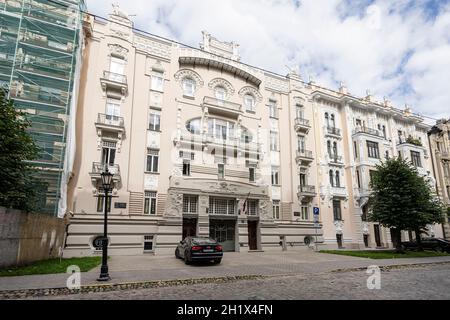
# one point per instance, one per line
(401, 199)
(19, 188)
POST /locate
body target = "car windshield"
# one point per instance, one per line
(203, 241)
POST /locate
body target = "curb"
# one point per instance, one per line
(24, 293)
(393, 266)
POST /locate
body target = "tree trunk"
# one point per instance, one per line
(418, 240)
(398, 240)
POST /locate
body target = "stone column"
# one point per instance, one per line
(203, 217)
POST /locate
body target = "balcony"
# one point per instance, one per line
(306, 192)
(114, 81)
(99, 167)
(335, 159)
(110, 123)
(222, 107)
(338, 191)
(369, 131)
(333, 131)
(302, 125)
(304, 157)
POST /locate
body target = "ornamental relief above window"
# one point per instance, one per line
(222, 84)
(250, 91)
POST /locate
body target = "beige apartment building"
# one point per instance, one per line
(440, 145)
(202, 144)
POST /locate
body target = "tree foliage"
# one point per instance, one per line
(20, 188)
(402, 199)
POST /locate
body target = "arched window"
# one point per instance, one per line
(193, 126)
(335, 149)
(327, 119)
(331, 178)
(338, 179)
(329, 147)
(188, 87)
(333, 123)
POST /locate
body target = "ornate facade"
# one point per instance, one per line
(201, 144)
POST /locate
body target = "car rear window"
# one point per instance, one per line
(203, 241)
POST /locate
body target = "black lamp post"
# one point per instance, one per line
(107, 185)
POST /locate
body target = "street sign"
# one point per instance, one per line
(98, 242)
(316, 216)
(316, 211)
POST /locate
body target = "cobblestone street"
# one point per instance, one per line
(412, 282)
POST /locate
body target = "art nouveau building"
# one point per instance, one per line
(202, 144)
(440, 148)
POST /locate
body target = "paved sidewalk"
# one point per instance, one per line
(147, 268)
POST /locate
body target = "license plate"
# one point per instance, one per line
(208, 250)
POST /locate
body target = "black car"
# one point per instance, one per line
(199, 249)
(437, 244)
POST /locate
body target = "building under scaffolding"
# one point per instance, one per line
(40, 59)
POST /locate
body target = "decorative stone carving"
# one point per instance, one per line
(339, 225)
(176, 172)
(365, 227)
(219, 82)
(175, 204)
(250, 90)
(264, 210)
(222, 187)
(118, 50)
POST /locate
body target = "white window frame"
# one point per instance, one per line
(190, 202)
(276, 209)
(152, 154)
(150, 202)
(274, 141)
(275, 176)
(154, 121)
(157, 82)
(188, 87)
(249, 102)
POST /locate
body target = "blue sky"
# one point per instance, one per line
(396, 49)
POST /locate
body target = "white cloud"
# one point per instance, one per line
(390, 47)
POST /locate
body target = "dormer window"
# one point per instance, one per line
(188, 87)
(249, 102)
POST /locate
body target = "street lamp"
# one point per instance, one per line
(107, 184)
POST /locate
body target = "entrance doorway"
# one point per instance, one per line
(366, 240)
(189, 227)
(252, 235)
(376, 229)
(224, 232)
(394, 238)
(339, 240)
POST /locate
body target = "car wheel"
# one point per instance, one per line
(403, 247)
(186, 259)
(217, 261)
(177, 255)
(439, 249)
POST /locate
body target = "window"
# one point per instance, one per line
(187, 155)
(276, 209)
(193, 126)
(246, 136)
(330, 174)
(188, 87)
(337, 214)
(333, 122)
(190, 203)
(108, 152)
(302, 179)
(154, 122)
(222, 206)
(112, 110)
(304, 213)
(101, 201)
(251, 174)
(358, 179)
(358, 122)
(221, 170)
(338, 179)
(301, 143)
(186, 168)
(275, 176)
(249, 102)
(157, 82)
(148, 243)
(329, 147)
(273, 109)
(150, 202)
(327, 119)
(273, 141)
(415, 159)
(117, 67)
(252, 207)
(152, 160)
(220, 129)
(220, 94)
(386, 155)
(372, 150)
(299, 111)
(356, 149)
(335, 151)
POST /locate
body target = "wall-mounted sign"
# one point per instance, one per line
(120, 205)
(98, 242)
